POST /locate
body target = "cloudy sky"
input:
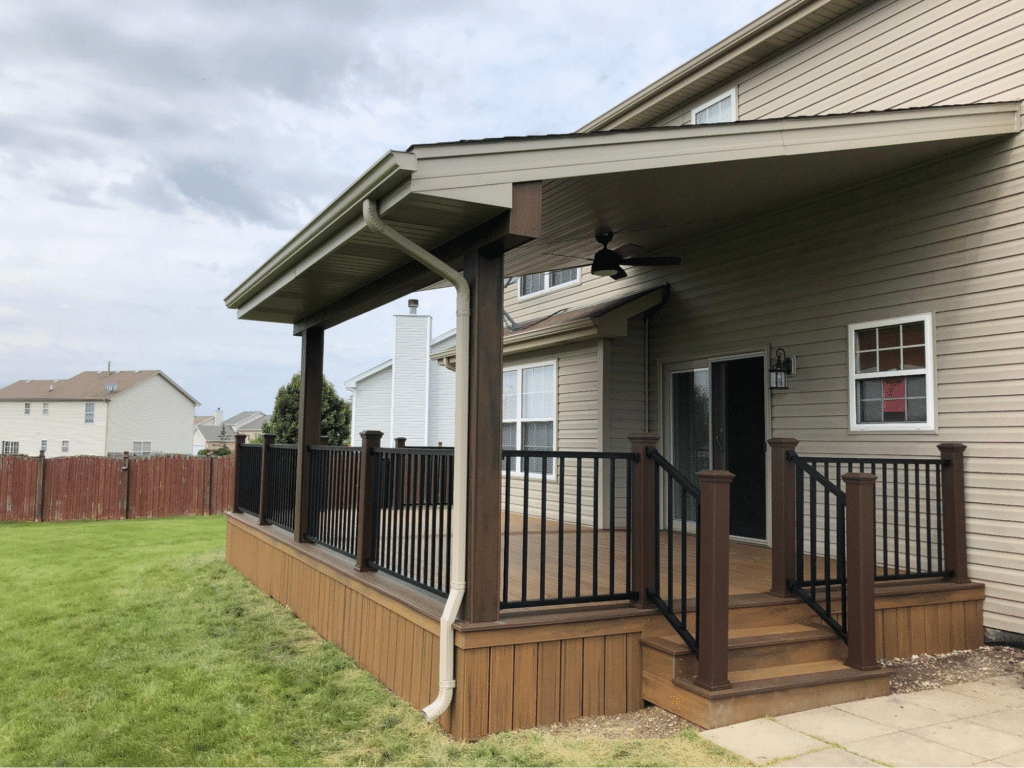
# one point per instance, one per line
(153, 155)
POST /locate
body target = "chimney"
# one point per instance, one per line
(218, 418)
(108, 367)
(413, 306)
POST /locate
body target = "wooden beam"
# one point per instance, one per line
(502, 233)
(483, 508)
(310, 394)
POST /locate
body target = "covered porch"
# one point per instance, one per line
(577, 604)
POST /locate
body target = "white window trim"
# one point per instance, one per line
(46, 409)
(731, 92)
(91, 413)
(519, 405)
(929, 373)
(11, 448)
(65, 446)
(547, 287)
(28, 409)
(142, 451)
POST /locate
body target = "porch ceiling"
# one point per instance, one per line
(656, 187)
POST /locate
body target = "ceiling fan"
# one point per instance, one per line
(609, 262)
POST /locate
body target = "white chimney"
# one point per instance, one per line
(218, 418)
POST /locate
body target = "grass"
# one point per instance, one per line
(134, 643)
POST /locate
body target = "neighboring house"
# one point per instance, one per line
(213, 432)
(97, 413)
(248, 423)
(839, 184)
(410, 395)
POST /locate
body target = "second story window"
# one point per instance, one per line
(545, 281)
(28, 408)
(42, 446)
(721, 109)
(90, 413)
(46, 409)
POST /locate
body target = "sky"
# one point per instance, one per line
(153, 155)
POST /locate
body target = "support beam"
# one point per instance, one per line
(483, 508)
(310, 394)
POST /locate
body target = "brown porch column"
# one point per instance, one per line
(310, 393)
(239, 440)
(713, 615)
(954, 511)
(645, 522)
(367, 511)
(483, 508)
(268, 443)
(783, 514)
(860, 570)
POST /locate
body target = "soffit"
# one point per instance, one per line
(661, 186)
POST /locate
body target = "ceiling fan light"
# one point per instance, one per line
(606, 263)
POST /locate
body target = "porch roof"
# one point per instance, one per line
(660, 185)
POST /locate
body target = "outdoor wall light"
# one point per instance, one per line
(780, 370)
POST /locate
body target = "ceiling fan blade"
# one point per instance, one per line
(653, 261)
(618, 275)
(627, 250)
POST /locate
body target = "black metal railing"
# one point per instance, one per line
(820, 543)
(250, 465)
(282, 460)
(414, 515)
(333, 497)
(567, 527)
(676, 508)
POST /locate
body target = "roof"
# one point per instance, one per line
(88, 385)
(254, 424)
(213, 433)
(244, 417)
(782, 26)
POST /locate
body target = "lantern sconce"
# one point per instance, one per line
(780, 370)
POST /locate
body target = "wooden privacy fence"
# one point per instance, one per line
(101, 488)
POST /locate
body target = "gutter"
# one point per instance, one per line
(446, 677)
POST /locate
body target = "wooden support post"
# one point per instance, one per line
(366, 512)
(126, 472)
(783, 515)
(400, 442)
(860, 570)
(310, 403)
(713, 613)
(239, 439)
(483, 508)
(954, 511)
(40, 484)
(645, 523)
(268, 443)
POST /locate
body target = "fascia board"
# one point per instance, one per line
(353, 383)
(170, 381)
(456, 166)
(387, 173)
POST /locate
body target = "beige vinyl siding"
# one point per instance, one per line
(947, 239)
(624, 398)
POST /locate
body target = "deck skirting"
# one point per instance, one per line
(533, 668)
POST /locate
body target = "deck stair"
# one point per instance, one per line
(781, 660)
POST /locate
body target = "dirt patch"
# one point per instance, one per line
(914, 674)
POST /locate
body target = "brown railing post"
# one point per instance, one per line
(125, 479)
(713, 612)
(860, 570)
(239, 440)
(954, 511)
(644, 523)
(366, 512)
(40, 480)
(268, 443)
(400, 442)
(783, 514)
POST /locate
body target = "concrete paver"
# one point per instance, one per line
(896, 712)
(834, 725)
(1009, 720)
(827, 758)
(761, 740)
(1007, 689)
(907, 749)
(1017, 758)
(973, 738)
(958, 705)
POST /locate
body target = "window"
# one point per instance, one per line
(721, 109)
(142, 448)
(42, 446)
(64, 446)
(528, 412)
(90, 412)
(28, 408)
(10, 448)
(46, 409)
(892, 375)
(545, 281)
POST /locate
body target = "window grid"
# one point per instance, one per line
(42, 446)
(721, 109)
(11, 448)
(65, 446)
(142, 448)
(891, 374)
(28, 408)
(540, 282)
(90, 413)
(528, 412)
(46, 409)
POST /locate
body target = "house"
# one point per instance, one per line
(213, 432)
(409, 395)
(248, 423)
(97, 413)
(831, 195)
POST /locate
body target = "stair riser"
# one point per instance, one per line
(684, 666)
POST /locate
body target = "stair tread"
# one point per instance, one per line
(745, 636)
(789, 670)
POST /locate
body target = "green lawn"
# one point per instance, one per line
(134, 643)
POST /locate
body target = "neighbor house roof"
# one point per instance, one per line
(251, 424)
(243, 418)
(212, 433)
(666, 185)
(88, 385)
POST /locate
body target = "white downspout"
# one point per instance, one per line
(458, 572)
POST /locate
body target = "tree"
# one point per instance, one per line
(336, 414)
